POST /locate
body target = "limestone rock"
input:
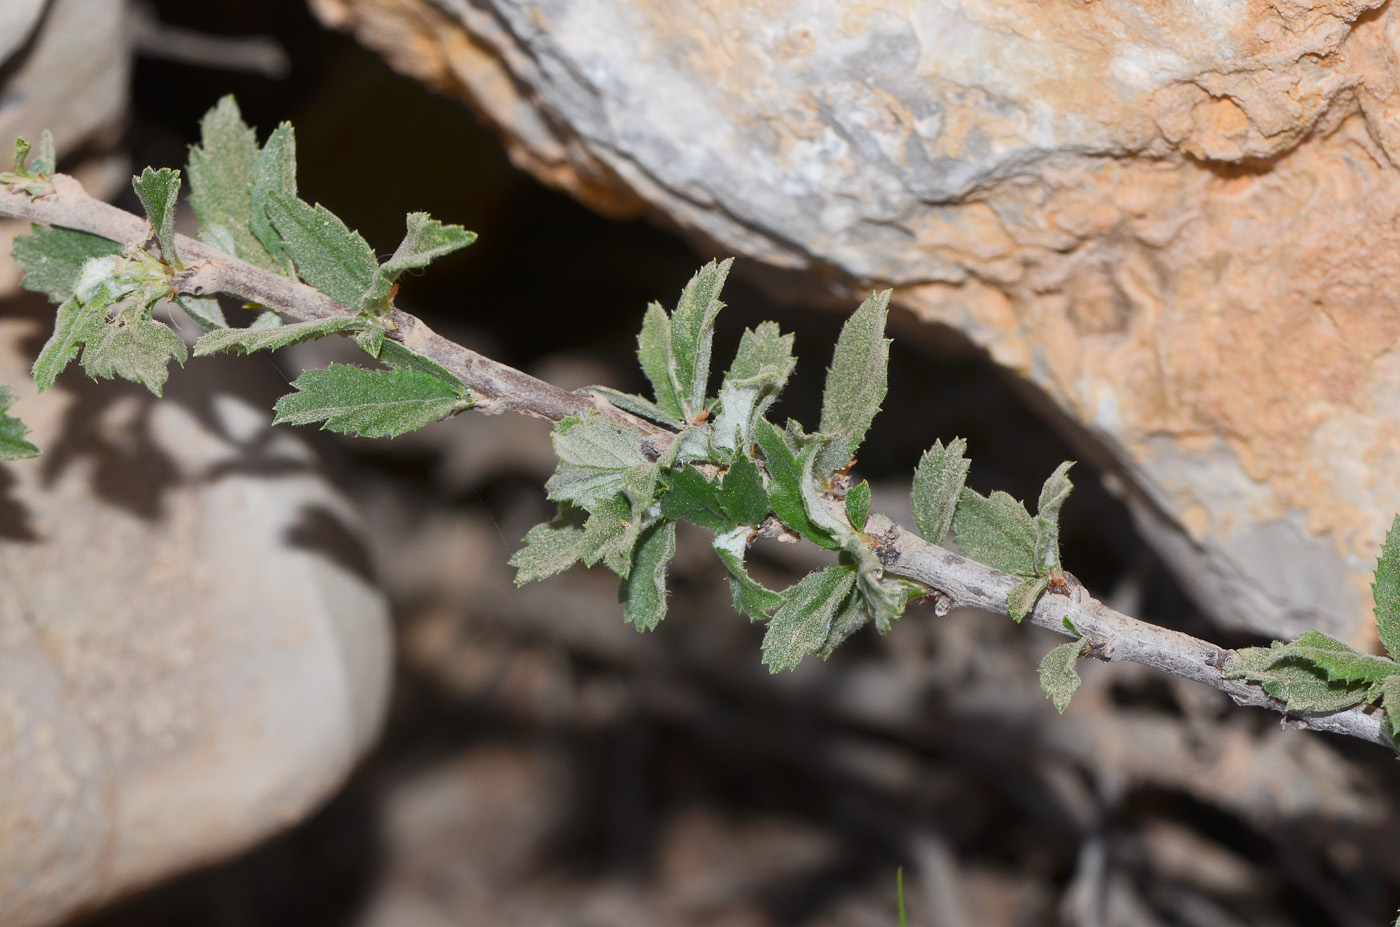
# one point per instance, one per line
(191, 658)
(1179, 221)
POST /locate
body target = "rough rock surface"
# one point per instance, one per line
(1177, 219)
(190, 658)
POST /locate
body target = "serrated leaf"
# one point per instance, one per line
(53, 258)
(938, 481)
(692, 336)
(551, 547)
(265, 321)
(996, 531)
(159, 191)
(1386, 590)
(395, 355)
(1390, 698)
(248, 340)
(751, 598)
(1058, 678)
(370, 403)
(1052, 496)
(858, 504)
(326, 253)
(850, 618)
(370, 340)
(654, 354)
(19, 156)
(274, 171)
(1291, 679)
(425, 241)
(858, 376)
(205, 311)
(70, 328)
(742, 494)
(132, 347)
(610, 534)
(1340, 660)
(221, 173)
(694, 498)
(12, 430)
(594, 456)
(643, 593)
(1020, 601)
(629, 402)
(785, 487)
(760, 370)
(802, 623)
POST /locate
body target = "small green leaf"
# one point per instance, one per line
(629, 402)
(20, 156)
(70, 329)
(370, 403)
(1340, 660)
(205, 311)
(644, 591)
(742, 494)
(159, 191)
(814, 500)
(939, 479)
(802, 623)
(327, 255)
(1390, 698)
(997, 531)
(221, 172)
(694, 498)
(610, 534)
(426, 240)
(692, 336)
(750, 597)
(1295, 681)
(1021, 599)
(1386, 590)
(395, 355)
(132, 347)
(370, 340)
(835, 454)
(274, 171)
(1052, 495)
(760, 370)
(858, 376)
(785, 489)
(551, 547)
(12, 430)
(594, 456)
(53, 258)
(1058, 679)
(858, 504)
(265, 321)
(654, 353)
(850, 618)
(248, 340)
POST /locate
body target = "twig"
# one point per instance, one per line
(499, 388)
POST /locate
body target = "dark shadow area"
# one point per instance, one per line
(321, 531)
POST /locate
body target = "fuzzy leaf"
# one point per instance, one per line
(46, 161)
(750, 597)
(858, 376)
(327, 255)
(610, 534)
(1293, 680)
(395, 355)
(70, 329)
(159, 191)
(1021, 599)
(850, 618)
(20, 156)
(222, 178)
(692, 335)
(858, 504)
(742, 494)
(265, 321)
(1390, 698)
(815, 502)
(1052, 496)
(248, 340)
(274, 171)
(654, 353)
(12, 430)
(785, 489)
(761, 368)
(939, 479)
(370, 403)
(834, 454)
(997, 531)
(594, 456)
(370, 340)
(1386, 590)
(1340, 660)
(133, 348)
(802, 623)
(205, 311)
(643, 593)
(695, 499)
(426, 240)
(629, 402)
(1058, 678)
(52, 259)
(551, 547)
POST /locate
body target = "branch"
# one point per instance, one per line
(498, 388)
